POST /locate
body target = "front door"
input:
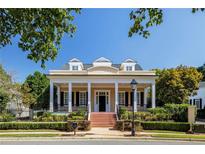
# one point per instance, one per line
(102, 104)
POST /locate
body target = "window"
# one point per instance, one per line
(65, 98)
(128, 68)
(121, 97)
(82, 98)
(198, 103)
(75, 68)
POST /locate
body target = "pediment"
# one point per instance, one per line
(103, 69)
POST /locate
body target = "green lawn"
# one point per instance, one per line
(163, 131)
(29, 130)
(184, 136)
(29, 135)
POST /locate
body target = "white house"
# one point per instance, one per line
(100, 86)
(199, 99)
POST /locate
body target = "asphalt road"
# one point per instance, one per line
(100, 142)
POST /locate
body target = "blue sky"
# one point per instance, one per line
(104, 32)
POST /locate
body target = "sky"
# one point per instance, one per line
(180, 39)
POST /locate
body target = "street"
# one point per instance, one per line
(98, 142)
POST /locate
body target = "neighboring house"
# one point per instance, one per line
(199, 99)
(100, 87)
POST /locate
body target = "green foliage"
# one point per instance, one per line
(122, 110)
(37, 86)
(82, 125)
(33, 125)
(179, 112)
(143, 19)
(202, 70)
(198, 128)
(172, 126)
(5, 89)
(127, 125)
(40, 30)
(6, 117)
(49, 117)
(28, 98)
(177, 84)
(81, 114)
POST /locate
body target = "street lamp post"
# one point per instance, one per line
(133, 85)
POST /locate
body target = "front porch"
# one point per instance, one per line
(99, 96)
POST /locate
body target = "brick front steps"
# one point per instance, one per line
(103, 119)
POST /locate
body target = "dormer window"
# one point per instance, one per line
(75, 68)
(129, 68)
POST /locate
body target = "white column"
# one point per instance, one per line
(135, 100)
(51, 97)
(89, 97)
(153, 96)
(145, 97)
(58, 96)
(69, 97)
(116, 96)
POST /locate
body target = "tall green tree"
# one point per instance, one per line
(38, 85)
(177, 84)
(202, 70)
(39, 30)
(5, 89)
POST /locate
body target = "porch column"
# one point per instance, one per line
(116, 96)
(153, 96)
(89, 97)
(58, 96)
(51, 97)
(145, 97)
(70, 97)
(135, 100)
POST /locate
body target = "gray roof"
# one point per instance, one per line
(86, 66)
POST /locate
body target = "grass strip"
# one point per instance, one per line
(187, 136)
(25, 130)
(29, 135)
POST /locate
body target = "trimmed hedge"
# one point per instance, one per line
(127, 125)
(66, 126)
(199, 128)
(33, 125)
(172, 126)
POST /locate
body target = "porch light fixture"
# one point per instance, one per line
(133, 85)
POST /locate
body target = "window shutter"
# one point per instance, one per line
(62, 98)
(190, 101)
(126, 98)
(194, 102)
(200, 103)
(86, 99)
(72, 98)
(77, 98)
(131, 98)
(142, 99)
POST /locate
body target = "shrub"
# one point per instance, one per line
(201, 114)
(122, 110)
(49, 117)
(157, 110)
(199, 128)
(33, 125)
(127, 125)
(6, 117)
(173, 126)
(66, 126)
(76, 118)
(84, 125)
(179, 112)
(40, 113)
(81, 114)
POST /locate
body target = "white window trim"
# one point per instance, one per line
(119, 97)
(82, 105)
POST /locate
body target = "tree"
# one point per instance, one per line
(5, 89)
(177, 84)
(38, 85)
(39, 30)
(202, 70)
(145, 18)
